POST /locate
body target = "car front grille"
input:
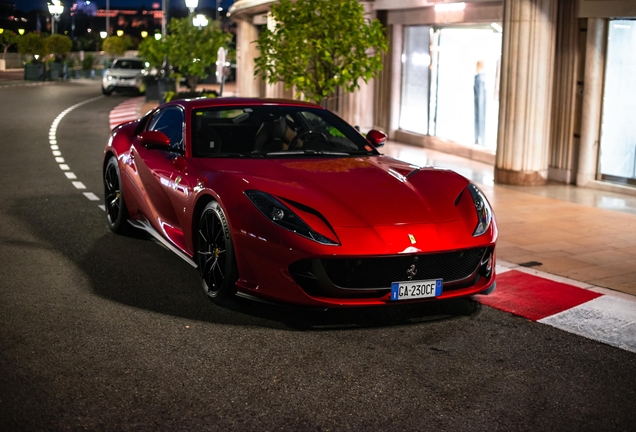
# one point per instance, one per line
(380, 272)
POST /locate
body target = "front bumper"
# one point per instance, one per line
(111, 82)
(291, 275)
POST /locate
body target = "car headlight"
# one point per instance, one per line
(278, 213)
(484, 211)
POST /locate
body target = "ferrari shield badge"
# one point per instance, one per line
(412, 238)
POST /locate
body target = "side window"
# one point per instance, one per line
(170, 122)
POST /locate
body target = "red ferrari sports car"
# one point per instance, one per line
(283, 201)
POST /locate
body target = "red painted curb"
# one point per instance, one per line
(534, 297)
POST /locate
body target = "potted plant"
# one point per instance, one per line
(73, 66)
(33, 44)
(152, 52)
(58, 46)
(88, 66)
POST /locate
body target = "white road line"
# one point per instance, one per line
(58, 154)
(102, 206)
(91, 196)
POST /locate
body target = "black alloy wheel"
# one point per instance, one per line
(215, 254)
(116, 212)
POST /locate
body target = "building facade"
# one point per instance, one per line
(542, 89)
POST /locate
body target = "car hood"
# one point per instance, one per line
(367, 191)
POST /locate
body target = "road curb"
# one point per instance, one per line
(573, 306)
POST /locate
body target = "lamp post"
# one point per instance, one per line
(55, 9)
(192, 5)
(107, 17)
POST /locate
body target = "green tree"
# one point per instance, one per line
(193, 49)
(7, 38)
(320, 45)
(31, 43)
(152, 51)
(58, 45)
(88, 42)
(116, 45)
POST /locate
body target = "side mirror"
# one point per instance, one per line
(376, 137)
(154, 140)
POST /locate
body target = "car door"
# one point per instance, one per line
(161, 174)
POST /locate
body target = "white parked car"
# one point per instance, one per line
(123, 74)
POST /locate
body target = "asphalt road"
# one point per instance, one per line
(105, 332)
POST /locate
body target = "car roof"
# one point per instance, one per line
(238, 101)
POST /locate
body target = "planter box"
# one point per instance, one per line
(166, 85)
(152, 88)
(56, 71)
(34, 71)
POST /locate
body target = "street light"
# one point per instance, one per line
(55, 9)
(192, 5)
(103, 34)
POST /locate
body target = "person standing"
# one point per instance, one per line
(480, 104)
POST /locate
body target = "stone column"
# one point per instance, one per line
(592, 100)
(246, 83)
(527, 69)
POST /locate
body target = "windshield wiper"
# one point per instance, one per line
(231, 155)
(306, 152)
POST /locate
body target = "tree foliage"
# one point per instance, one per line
(7, 38)
(320, 45)
(192, 50)
(88, 42)
(116, 45)
(31, 43)
(152, 51)
(58, 45)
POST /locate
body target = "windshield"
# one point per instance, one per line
(128, 64)
(274, 131)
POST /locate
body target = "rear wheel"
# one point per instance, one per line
(215, 254)
(116, 212)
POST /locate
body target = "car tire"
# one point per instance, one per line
(116, 212)
(106, 92)
(215, 254)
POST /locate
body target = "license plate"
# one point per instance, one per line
(416, 289)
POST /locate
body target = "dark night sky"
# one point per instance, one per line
(27, 5)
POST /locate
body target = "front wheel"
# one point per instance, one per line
(106, 92)
(116, 213)
(215, 254)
